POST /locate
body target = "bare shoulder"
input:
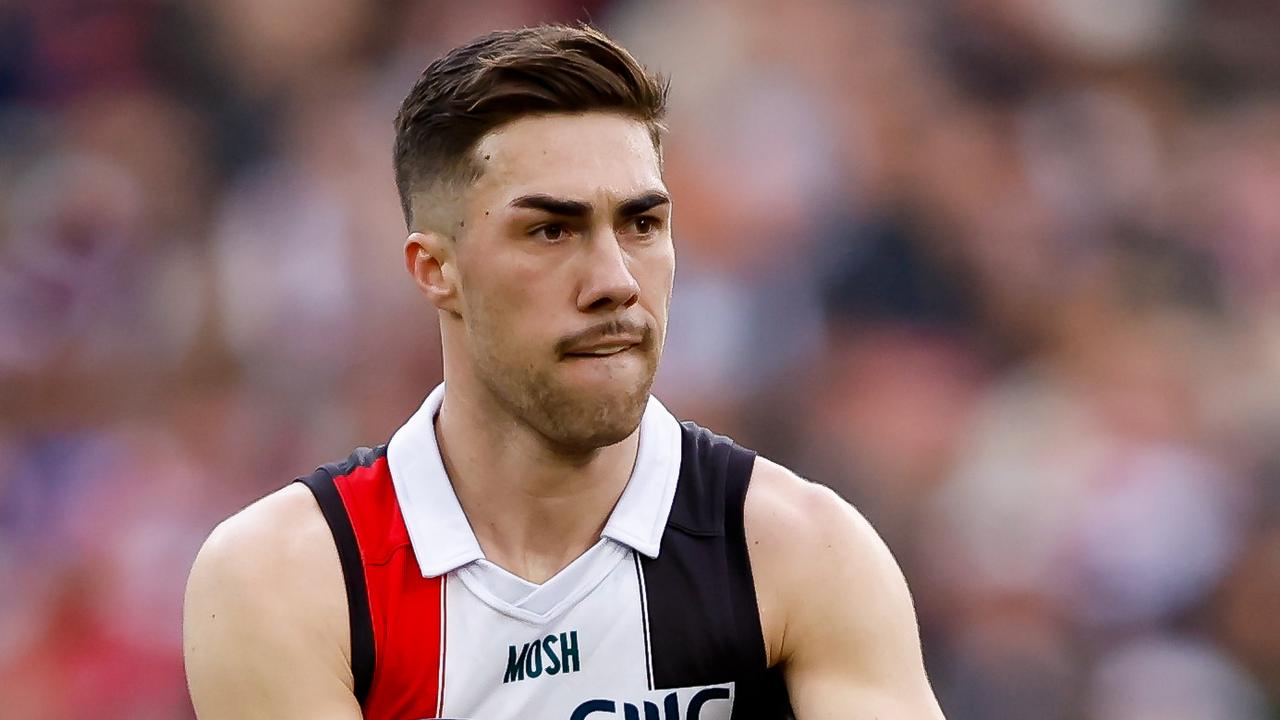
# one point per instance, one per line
(277, 545)
(797, 523)
(808, 547)
(266, 609)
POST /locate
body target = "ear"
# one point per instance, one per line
(429, 258)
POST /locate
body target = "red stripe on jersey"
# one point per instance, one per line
(406, 609)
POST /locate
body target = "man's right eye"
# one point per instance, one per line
(550, 232)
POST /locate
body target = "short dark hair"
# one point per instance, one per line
(503, 76)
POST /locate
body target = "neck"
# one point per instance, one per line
(533, 508)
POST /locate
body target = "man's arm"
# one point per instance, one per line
(265, 630)
(834, 605)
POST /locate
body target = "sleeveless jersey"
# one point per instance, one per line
(657, 621)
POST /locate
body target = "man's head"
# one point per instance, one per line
(528, 164)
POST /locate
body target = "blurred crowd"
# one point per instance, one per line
(1004, 273)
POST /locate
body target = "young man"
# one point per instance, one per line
(542, 539)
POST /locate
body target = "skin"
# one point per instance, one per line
(516, 286)
(529, 430)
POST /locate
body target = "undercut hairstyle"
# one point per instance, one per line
(503, 76)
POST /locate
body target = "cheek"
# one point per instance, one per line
(502, 299)
(655, 274)
(656, 270)
(495, 280)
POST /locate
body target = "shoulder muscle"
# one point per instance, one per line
(834, 604)
(265, 630)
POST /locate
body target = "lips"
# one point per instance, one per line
(605, 339)
(604, 347)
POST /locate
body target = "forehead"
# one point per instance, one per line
(601, 155)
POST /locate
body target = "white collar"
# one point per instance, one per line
(441, 536)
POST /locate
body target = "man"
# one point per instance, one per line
(542, 539)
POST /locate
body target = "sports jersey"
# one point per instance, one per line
(657, 621)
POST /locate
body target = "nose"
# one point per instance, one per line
(608, 283)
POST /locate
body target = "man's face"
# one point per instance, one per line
(565, 264)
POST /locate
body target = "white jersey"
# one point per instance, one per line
(656, 621)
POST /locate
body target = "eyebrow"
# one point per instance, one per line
(644, 203)
(579, 209)
(553, 205)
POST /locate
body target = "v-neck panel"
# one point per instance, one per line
(538, 604)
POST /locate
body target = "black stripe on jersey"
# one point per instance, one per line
(644, 622)
(321, 483)
(703, 619)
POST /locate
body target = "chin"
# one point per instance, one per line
(578, 406)
(586, 420)
(594, 439)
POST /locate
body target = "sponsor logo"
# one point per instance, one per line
(671, 708)
(552, 655)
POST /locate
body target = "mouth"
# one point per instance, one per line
(605, 340)
(601, 350)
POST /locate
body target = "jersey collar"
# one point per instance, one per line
(441, 536)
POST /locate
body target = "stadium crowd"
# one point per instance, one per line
(1004, 273)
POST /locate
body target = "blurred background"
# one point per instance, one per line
(1004, 273)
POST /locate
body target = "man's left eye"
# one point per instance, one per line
(645, 225)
